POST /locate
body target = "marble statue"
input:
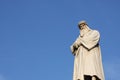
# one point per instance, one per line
(86, 49)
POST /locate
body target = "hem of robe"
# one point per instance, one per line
(93, 75)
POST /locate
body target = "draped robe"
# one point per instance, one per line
(88, 59)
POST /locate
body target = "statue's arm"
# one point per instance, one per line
(74, 47)
(91, 41)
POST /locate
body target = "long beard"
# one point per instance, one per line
(83, 32)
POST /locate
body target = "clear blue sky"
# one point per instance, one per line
(35, 36)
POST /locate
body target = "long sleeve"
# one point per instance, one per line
(90, 40)
(75, 45)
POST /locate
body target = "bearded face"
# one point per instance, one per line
(83, 29)
(82, 26)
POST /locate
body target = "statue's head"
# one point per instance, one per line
(82, 24)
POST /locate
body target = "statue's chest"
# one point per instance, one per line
(87, 34)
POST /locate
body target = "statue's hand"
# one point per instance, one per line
(72, 49)
(75, 45)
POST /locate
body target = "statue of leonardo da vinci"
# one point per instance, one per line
(86, 49)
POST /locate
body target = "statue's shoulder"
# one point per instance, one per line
(95, 31)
